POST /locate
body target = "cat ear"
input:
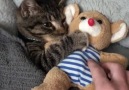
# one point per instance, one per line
(29, 8)
(60, 2)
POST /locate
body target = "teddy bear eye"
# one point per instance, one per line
(99, 21)
(83, 18)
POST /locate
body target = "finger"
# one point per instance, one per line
(117, 73)
(127, 73)
(98, 74)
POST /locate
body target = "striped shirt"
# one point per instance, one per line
(75, 65)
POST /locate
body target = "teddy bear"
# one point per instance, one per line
(73, 71)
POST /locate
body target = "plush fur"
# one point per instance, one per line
(113, 9)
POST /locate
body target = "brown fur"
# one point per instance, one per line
(40, 20)
(95, 40)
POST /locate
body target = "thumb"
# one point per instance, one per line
(98, 74)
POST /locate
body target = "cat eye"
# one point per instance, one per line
(99, 21)
(83, 18)
(47, 24)
(30, 27)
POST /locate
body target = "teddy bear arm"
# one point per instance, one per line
(113, 57)
(56, 79)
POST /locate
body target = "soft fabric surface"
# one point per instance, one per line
(75, 65)
(16, 70)
(116, 48)
(17, 2)
(7, 16)
(112, 9)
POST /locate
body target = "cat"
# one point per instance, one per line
(42, 23)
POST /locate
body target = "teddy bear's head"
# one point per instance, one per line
(100, 30)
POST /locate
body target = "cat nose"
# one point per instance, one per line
(91, 22)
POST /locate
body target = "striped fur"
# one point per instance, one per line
(51, 55)
(42, 23)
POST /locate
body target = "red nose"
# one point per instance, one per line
(91, 22)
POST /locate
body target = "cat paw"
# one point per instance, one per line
(31, 46)
(49, 44)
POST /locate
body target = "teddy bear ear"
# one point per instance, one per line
(71, 11)
(119, 31)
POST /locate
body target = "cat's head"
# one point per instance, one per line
(42, 19)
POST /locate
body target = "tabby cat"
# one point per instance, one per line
(42, 23)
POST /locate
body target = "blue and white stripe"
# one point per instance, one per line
(75, 65)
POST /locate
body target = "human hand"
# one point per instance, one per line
(109, 76)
